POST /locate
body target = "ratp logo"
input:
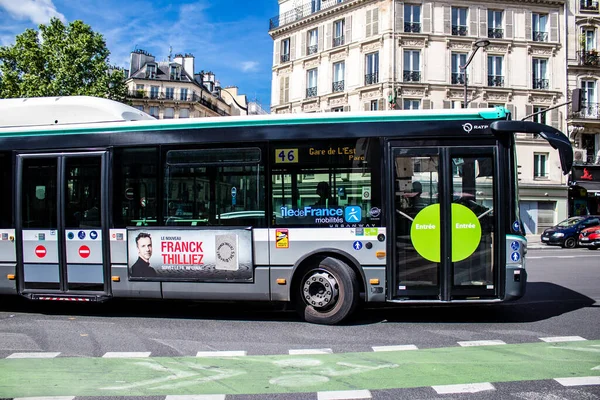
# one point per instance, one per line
(353, 214)
(467, 127)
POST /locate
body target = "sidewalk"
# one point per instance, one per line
(534, 242)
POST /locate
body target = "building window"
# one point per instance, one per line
(495, 24)
(374, 105)
(154, 92)
(590, 104)
(338, 32)
(539, 22)
(412, 18)
(184, 113)
(588, 55)
(139, 107)
(154, 111)
(540, 77)
(313, 42)
(175, 73)
(371, 68)
(311, 82)
(459, 21)
(170, 93)
(337, 109)
(315, 5)
(285, 50)
(588, 5)
(169, 113)
(151, 71)
(412, 104)
(412, 63)
(183, 94)
(456, 104)
(139, 91)
(495, 77)
(458, 75)
(540, 165)
(338, 77)
(540, 118)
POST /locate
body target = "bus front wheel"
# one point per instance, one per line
(328, 293)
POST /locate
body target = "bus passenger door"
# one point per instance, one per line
(62, 224)
(444, 223)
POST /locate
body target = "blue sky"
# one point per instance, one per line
(229, 38)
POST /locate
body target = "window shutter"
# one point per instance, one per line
(399, 103)
(483, 104)
(528, 109)
(472, 104)
(511, 109)
(276, 59)
(447, 104)
(348, 29)
(426, 104)
(473, 18)
(368, 24)
(328, 29)
(287, 89)
(554, 27)
(483, 23)
(381, 105)
(281, 90)
(508, 23)
(375, 21)
(399, 17)
(293, 47)
(320, 38)
(303, 44)
(447, 21)
(554, 118)
(527, 25)
(346, 108)
(367, 106)
(427, 18)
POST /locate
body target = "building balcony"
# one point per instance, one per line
(540, 36)
(338, 41)
(301, 12)
(541, 84)
(284, 58)
(588, 57)
(458, 78)
(337, 86)
(495, 80)
(311, 92)
(411, 76)
(588, 5)
(459, 30)
(412, 27)
(371, 79)
(312, 50)
(495, 33)
(588, 111)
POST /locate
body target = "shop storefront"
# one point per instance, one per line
(584, 190)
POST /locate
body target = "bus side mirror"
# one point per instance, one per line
(577, 100)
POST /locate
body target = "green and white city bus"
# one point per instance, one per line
(321, 210)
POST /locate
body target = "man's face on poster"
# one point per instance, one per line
(144, 246)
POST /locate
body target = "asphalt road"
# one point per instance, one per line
(156, 349)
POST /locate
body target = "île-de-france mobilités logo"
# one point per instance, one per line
(353, 214)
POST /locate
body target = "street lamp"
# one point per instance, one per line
(235, 101)
(478, 43)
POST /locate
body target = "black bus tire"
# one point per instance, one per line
(328, 293)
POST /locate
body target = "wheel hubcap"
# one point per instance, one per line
(320, 289)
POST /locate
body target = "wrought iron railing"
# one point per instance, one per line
(495, 33)
(588, 111)
(588, 57)
(542, 84)
(458, 78)
(540, 36)
(338, 41)
(138, 94)
(459, 30)
(495, 80)
(588, 5)
(414, 27)
(285, 58)
(312, 49)
(301, 12)
(412, 76)
(337, 86)
(371, 78)
(311, 92)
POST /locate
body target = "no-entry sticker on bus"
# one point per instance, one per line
(40, 251)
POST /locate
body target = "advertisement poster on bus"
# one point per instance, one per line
(221, 255)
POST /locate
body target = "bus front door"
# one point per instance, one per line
(62, 224)
(444, 223)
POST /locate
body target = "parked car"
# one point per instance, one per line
(566, 233)
(590, 237)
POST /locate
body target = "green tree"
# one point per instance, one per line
(59, 60)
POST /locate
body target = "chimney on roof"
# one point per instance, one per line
(138, 59)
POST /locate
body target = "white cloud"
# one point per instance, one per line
(38, 11)
(249, 66)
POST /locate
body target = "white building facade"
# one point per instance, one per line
(352, 55)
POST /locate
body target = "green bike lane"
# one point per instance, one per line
(68, 376)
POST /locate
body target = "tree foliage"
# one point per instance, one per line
(59, 60)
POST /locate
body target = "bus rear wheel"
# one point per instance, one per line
(328, 293)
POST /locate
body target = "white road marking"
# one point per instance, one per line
(33, 355)
(395, 348)
(46, 398)
(127, 354)
(295, 352)
(344, 395)
(481, 343)
(233, 353)
(578, 256)
(196, 397)
(579, 381)
(556, 339)
(464, 388)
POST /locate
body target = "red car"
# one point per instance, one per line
(590, 237)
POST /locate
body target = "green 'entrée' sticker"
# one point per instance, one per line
(426, 228)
